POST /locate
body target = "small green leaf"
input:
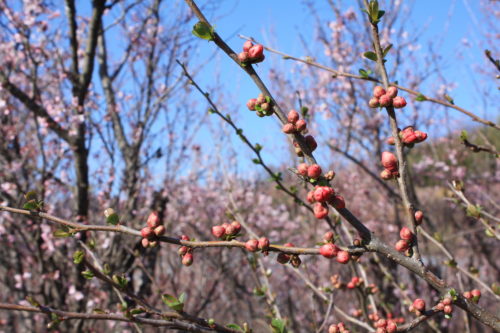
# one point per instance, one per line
(278, 325)
(474, 211)
(370, 55)
(496, 288)
(61, 233)
(100, 311)
(31, 205)
(211, 111)
(32, 301)
(78, 256)
(463, 135)
(120, 280)
(304, 110)
(182, 298)
(380, 14)
(137, 311)
(449, 99)
(113, 219)
(260, 292)
(172, 302)
(256, 160)
(234, 327)
(203, 30)
(420, 98)
(88, 274)
(31, 195)
(386, 50)
(258, 147)
(452, 263)
(448, 316)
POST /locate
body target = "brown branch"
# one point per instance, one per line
(78, 227)
(477, 148)
(417, 321)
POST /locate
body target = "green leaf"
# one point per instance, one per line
(62, 233)
(278, 325)
(463, 135)
(31, 195)
(260, 292)
(256, 160)
(496, 288)
(258, 147)
(449, 99)
(386, 50)
(31, 205)
(113, 219)
(182, 298)
(474, 211)
(370, 55)
(380, 14)
(304, 110)
(137, 311)
(32, 301)
(234, 327)
(448, 316)
(203, 30)
(88, 274)
(373, 9)
(120, 280)
(172, 302)
(420, 98)
(78, 256)
(268, 99)
(100, 311)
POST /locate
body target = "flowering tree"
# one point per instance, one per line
(95, 171)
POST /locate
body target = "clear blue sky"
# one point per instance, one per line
(278, 22)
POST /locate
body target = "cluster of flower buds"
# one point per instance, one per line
(355, 282)
(383, 98)
(294, 124)
(409, 137)
(185, 252)
(227, 231)
(330, 250)
(293, 259)
(445, 305)
(390, 164)
(473, 295)
(406, 240)
(386, 326)
(310, 142)
(379, 321)
(262, 104)
(262, 244)
(251, 54)
(372, 289)
(152, 231)
(338, 328)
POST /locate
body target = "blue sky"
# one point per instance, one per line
(456, 24)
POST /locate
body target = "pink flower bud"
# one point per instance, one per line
(389, 161)
(330, 175)
(373, 102)
(159, 230)
(261, 98)
(153, 220)
(145, 242)
(147, 232)
(338, 202)
(310, 197)
(419, 304)
(263, 244)
(343, 257)
(237, 227)
(243, 57)
(187, 260)
(399, 102)
(467, 294)
(265, 106)
(391, 141)
(289, 128)
(247, 45)
(230, 231)
(391, 327)
(252, 245)
(323, 193)
(329, 250)
(402, 245)
(256, 52)
(392, 91)
(218, 231)
(293, 116)
(448, 309)
(385, 100)
(419, 217)
(447, 301)
(421, 136)
(350, 285)
(386, 174)
(301, 125)
(185, 237)
(311, 142)
(381, 323)
(314, 171)
(251, 104)
(328, 236)
(302, 169)
(378, 91)
(182, 250)
(406, 234)
(320, 210)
